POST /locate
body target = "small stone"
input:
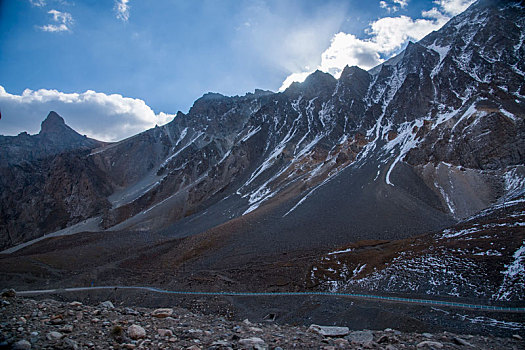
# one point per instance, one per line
(128, 346)
(107, 305)
(383, 339)
(255, 329)
(54, 335)
(517, 337)
(22, 345)
(162, 313)
(360, 337)
(75, 304)
(8, 293)
(130, 311)
(390, 347)
(34, 334)
(20, 329)
(460, 341)
(223, 343)
(172, 340)
(341, 343)
(136, 332)
(69, 344)
(430, 344)
(329, 331)
(427, 335)
(253, 342)
(247, 322)
(67, 328)
(165, 332)
(193, 347)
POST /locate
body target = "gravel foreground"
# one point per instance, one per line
(50, 324)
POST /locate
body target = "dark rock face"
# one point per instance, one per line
(48, 195)
(54, 137)
(46, 183)
(431, 136)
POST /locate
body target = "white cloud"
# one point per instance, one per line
(453, 7)
(402, 3)
(346, 49)
(394, 6)
(63, 22)
(390, 33)
(122, 9)
(385, 37)
(38, 3)
(299, 77)
(104, 117)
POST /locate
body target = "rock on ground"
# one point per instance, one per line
(28, 324)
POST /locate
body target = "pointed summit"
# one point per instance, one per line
(320, 78)
(317, 83)
(55, 131)
(54, 124)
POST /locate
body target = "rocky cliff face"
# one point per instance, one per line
(46, 183)
(428, 138)
(48, 195)
(54, 137)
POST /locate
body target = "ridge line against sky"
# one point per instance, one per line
(63, 47)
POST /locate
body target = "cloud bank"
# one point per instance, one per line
(385, 37)
(97, 115)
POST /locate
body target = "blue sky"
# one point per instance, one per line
(116, 67)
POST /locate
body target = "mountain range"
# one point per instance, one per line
(334, 184)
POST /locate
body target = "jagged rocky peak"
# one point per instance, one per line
(356, 80)
(204, 104)
(53, 123)
(319, 79)
(316, 84)
(353, 72)
(54, 126)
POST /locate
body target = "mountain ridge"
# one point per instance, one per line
(431, 138)
(53, 138)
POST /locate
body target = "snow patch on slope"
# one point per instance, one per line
(513, 276)
(406, 140)
(515, 182)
